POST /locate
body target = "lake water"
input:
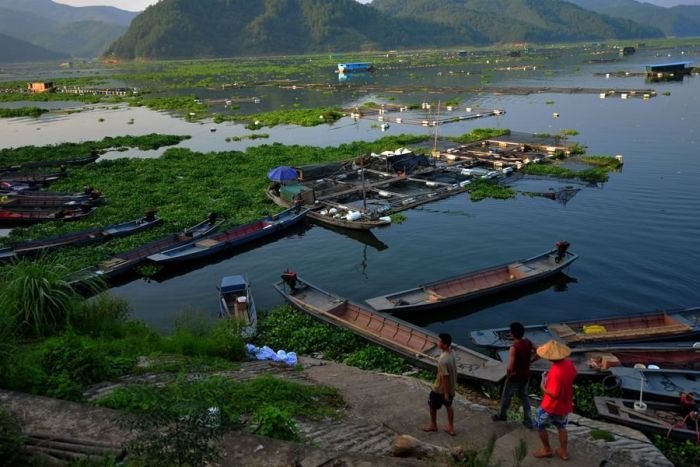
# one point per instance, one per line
(637, 236)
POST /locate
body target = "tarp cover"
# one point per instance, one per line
(266, 353)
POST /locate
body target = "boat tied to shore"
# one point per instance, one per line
(680, 324)
(236, 301)
(415, 344)
(237, 236)
(477, 284)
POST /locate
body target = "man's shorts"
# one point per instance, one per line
(543, 418)
(436, 401)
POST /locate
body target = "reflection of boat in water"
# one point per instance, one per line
(366, 237)
(413, 343)
(476, 284)
(563, 195)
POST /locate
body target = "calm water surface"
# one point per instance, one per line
(637, 236)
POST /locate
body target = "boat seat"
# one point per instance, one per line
(206, 243)
(562, 330)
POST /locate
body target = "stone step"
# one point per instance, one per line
(347, 436)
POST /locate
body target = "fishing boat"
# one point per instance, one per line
(82, 237)
(334, 215)
(680, 324)
(42, 200)
(234, 237)
(236, 301)
(415, 344)
(658, 383)
(128, 260)
(50, 163)
(31, 179)
(13, 217)
(666, 419)
(596, 362)
(477, 284)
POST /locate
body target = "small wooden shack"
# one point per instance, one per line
(41, 87)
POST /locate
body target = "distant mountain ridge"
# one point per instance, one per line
(82, 32)
(17, 50)
(225, 28)
(677, 21)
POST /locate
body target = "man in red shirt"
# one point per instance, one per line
(558, 401)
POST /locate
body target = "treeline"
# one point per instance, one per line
(226, 28)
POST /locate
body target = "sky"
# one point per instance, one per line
(139, 5)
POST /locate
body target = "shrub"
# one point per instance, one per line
(103, 315)
(376, 358)
(275, 423)
(11, 438)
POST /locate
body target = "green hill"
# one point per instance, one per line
(678, 21)
(16, 50)
(225, 28)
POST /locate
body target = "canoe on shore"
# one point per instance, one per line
(475, 284)
(325, 215)
(128, 260)
(82, 237)
(658, 384)
(660, 418)
(237, 236)
(596, 362)
(681, 324)
(415, 344)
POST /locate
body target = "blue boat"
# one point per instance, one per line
(83, 237)
(128, 260)
(234, 237)
(354, 67)
(236, 301)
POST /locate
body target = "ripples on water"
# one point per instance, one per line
(636, 235)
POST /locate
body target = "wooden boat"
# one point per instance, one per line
(14, 217)
(31, 179)
(234, 237)
(236, 301)
(34, 200)
(659, 418)
(664, 325)
(333, 216)
(596, 362)
(659, 384)
(415, 344)
(50, 163)
(475, 284)
(128, 260)
(80, 238)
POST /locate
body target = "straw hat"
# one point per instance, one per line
(553, 350)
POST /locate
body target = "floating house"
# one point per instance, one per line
(354, 67)
(40, 87)
(672, 69)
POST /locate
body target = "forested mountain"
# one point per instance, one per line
(16, 50)
(80, 32)
(224, 28)
(679, 21)
(519, 20)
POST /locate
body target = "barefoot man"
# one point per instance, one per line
(443, 392)
(557, 403)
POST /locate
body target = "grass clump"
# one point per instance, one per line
(481, 189)
(479, 134)
(602, 435)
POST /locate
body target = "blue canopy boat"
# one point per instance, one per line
(236, 301)
(234, 237)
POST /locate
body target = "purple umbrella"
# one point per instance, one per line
(282, 174)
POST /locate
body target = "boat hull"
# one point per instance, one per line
(474, 284)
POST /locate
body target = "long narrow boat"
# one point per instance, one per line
(128, 260)
(332, 216)
(80, 238)
(31, 200)
(236, 301)
(12, 217)
(415, 344)
(661, 325)
(475, 284)
(31, 179)
(50, 163)
(660, 418)
(596, 362)
(237, 236)
(660, 384)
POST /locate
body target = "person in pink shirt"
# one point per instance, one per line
(558, 400)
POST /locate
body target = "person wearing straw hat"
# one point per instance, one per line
(558, 400)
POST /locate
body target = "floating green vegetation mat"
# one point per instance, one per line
(301, 117)
(478, 134)
(481, 189)
(599, 174)
(74, 151)
(34, 112)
